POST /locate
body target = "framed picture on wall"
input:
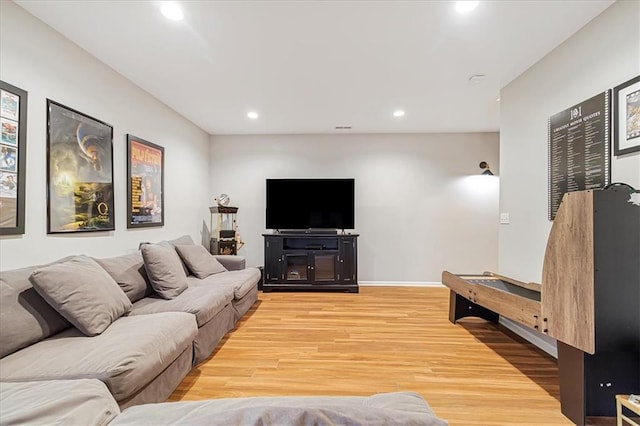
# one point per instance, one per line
(79, 172)
(579, 142)
(13, 141)
(626, 117)
(145, 183)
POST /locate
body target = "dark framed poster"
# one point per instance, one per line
(145, 183)
(579, 149)
(79, 172)
(13, 149)
(626, 117)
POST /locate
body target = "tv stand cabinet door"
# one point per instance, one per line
(325, 267)
(297, 268)
(348, 260)
(273, 266)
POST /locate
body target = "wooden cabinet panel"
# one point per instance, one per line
(567, 273)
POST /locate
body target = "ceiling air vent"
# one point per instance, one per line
(477, 78)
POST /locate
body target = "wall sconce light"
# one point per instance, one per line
(487, 170)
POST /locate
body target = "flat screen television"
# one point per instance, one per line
(310, 204)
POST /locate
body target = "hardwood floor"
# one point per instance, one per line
(383, 339)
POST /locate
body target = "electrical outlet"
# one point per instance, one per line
(504, 218)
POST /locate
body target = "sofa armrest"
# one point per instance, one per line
(73, 402)
(231, 262)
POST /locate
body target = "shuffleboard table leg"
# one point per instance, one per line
(461, 307)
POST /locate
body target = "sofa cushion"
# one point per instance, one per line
(183, 241)
(164, 269)
(25, 317)
(128, 271)
(395, 408)
(61, 402)
(199, 261)
(203, 302)
(231, 262)
(127, 356)
(240, 281)
(82, 292)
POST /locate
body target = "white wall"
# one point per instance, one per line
(605, 53)
(45, 64)
(421, 205)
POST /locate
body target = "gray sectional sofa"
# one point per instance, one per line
(105, 341)
(140, 344)
(88, 402)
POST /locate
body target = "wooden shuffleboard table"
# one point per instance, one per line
(490, 295)
(589, 299)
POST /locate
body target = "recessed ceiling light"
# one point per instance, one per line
(466, 6)
(252, 115)
(172, 11)
(398, 113)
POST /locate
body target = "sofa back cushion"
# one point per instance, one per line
(82, 292)
(128, 271)
(165, 270)
(25, 317)
(200, 262)
(182, 241)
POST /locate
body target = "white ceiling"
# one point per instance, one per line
(308, 66)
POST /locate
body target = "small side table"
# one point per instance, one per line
(623, 400)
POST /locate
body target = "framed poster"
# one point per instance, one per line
(579, 154)
(626, 117)
(145, 183)
(13, 149)
(79, 172)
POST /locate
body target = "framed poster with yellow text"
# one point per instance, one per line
(79, 172)
(145, 183)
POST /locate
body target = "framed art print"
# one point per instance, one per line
(145, 183)
(13, 119)
(626, 117)
(79, 172)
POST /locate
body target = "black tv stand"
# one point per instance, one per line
(318, 261)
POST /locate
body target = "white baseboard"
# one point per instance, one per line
(545, 343)
(400, 284)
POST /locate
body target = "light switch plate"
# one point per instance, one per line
(504, 218)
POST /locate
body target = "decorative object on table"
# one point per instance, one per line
(225, 238)
(79, 172)
(222, 200)
(579, 155)
(145, 183)
(13, 116)
(487, 170)
(626, 117)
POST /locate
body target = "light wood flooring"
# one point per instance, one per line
(383, 339)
